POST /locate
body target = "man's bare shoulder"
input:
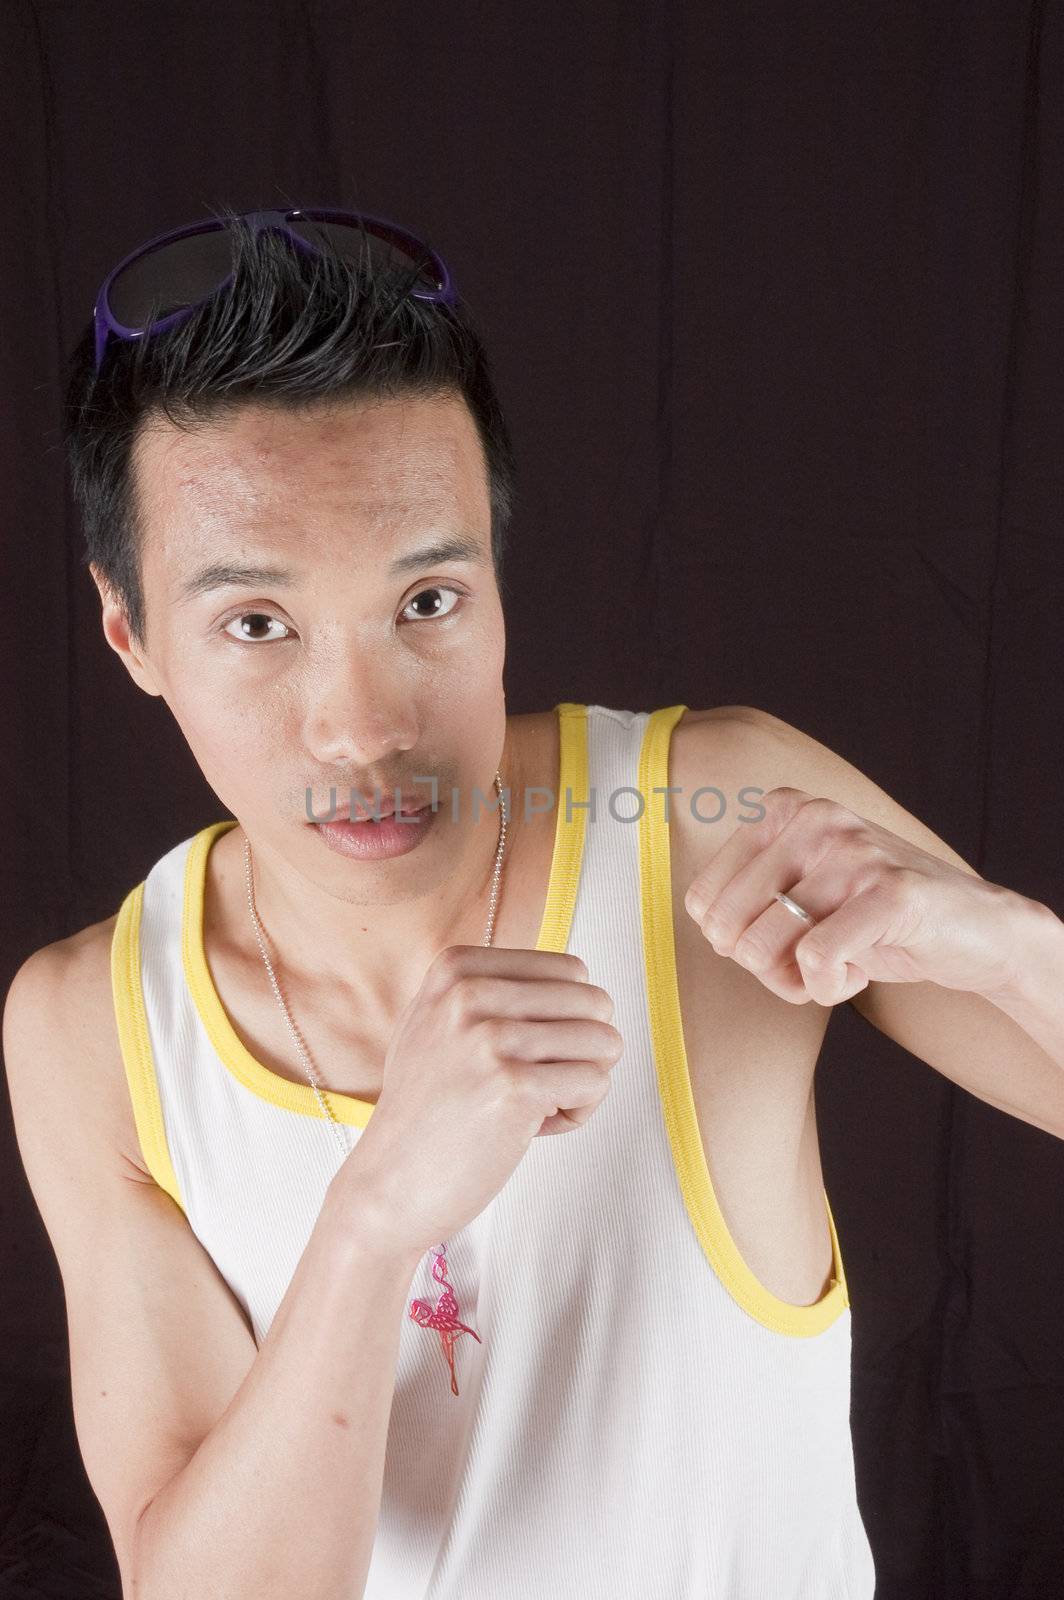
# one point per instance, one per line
(721, 759)
(733, 718)
(65, 986)
(80, 952)
(710, 745)
(80, 962)
(524, 726)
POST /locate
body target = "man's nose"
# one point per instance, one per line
(358, 715)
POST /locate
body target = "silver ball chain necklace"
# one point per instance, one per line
(443, 1316)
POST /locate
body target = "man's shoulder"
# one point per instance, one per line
(60, 1035)
(72, 968)
(748, 719)
(721, 759)
(717, 738)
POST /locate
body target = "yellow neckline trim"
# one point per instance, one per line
(135, 1043)
(674, 1079)
(553, 934)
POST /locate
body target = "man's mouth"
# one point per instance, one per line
(377, 838)
(384, 812)
(375, 813)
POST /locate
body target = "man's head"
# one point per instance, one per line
(292, 332)
(313, 421)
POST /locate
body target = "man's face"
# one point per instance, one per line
(350, 673)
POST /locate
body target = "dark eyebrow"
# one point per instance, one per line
(223, 574)
(457, 547)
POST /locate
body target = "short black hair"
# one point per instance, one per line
(293, 330)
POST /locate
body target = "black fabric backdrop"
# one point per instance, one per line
(774, 296)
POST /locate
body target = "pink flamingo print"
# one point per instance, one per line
(443, 1316)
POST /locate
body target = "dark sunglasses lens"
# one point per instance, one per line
(365, 247)
(177, 274)
(187, 270)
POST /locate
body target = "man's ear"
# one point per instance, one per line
(116, 632)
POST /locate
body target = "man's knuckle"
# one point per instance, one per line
(502, 1035)
(449, 964)
(474, 991)
(752, 948)
(612, 1042)
(723, 912)
(481, 1039)
(602, 1000)
(822, 809)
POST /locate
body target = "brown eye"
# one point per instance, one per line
(252, 636)
(429, 616)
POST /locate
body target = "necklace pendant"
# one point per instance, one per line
(443, 1316)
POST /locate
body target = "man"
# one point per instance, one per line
(457, 1356)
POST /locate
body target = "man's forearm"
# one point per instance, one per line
(282, 1497)
(1035, 997)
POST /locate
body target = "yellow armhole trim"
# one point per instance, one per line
(674, 1079)
(568, 831)
(136, 1044)
(227, 1044)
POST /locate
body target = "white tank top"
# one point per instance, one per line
(643, 1419)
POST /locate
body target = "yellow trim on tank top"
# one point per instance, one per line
(135, 1043)
(553, 934)
(674, 1079)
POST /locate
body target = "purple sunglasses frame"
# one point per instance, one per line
(107, 326)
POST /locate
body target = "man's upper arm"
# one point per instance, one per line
(963, 1036)
(158, 1343)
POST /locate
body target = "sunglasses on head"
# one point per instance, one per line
(163, 281)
